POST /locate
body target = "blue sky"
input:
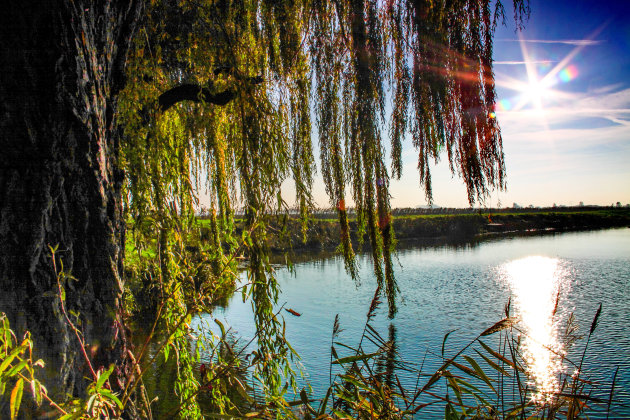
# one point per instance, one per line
(563, 86)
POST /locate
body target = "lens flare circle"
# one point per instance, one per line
(568, 73)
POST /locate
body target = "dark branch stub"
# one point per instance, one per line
(196, 93)
(190, 92)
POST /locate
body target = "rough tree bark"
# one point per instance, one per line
(61, 68)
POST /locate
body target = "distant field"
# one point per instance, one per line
(331, 214)
(444, 224)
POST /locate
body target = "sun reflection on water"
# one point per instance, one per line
(535, 283)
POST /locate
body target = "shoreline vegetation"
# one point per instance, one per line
(473, 391)
(433, 226)
(468, 376)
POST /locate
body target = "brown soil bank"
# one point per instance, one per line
(323, 235)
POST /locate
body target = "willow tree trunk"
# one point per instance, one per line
(61, 68)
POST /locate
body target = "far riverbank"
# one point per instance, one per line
(450, 227)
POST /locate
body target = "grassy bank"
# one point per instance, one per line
(323, 233)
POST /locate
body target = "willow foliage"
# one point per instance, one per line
(245, 77)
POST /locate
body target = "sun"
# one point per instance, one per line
(537, 88)
(536, 91)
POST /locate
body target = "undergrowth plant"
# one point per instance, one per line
(487, 378)
(17, 369)
(174, 276)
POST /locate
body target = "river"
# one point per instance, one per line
(465, 288)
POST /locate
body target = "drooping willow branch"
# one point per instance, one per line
(196, 93)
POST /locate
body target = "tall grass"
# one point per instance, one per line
(487, 378)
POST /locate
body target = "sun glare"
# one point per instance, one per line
(534, 283)
(538, 90)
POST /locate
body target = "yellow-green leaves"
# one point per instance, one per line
(16, 398)
(17, 368)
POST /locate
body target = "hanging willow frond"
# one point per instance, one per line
(440, 55)
(241, 78)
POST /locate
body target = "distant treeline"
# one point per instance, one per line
(409, 211)
(331, 213)
(442, 225)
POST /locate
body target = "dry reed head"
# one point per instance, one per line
(595, 319)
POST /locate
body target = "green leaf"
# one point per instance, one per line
(90, 404)
(482, 375)
(355, 382)
(493, 364)
(501, 357)
(17, 368)
(107, 393)
(464, 369)
(444, 340)
(473, 390)
(305, 401)
(356, 358)
(16, 398)
(375, 333)
(36, 389)
(323, 405)
(72, 416)
(432, 380)
(341, 414)
(247, 238)
(450, 413)
(352, 349)
(220, 324)
(6, 362)
(242, 391)
(456, 388)
(104, 376)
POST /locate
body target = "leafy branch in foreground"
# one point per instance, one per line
(17, 369)
(180, 300)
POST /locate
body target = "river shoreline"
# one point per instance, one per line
(442, 229)
(463, 289)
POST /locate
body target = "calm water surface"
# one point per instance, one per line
(465, 289)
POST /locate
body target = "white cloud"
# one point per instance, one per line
(611, 100)
(576, 42)
(516, 62)
(611, 105)
(598, 140)
(547, 164)
(606, 89)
